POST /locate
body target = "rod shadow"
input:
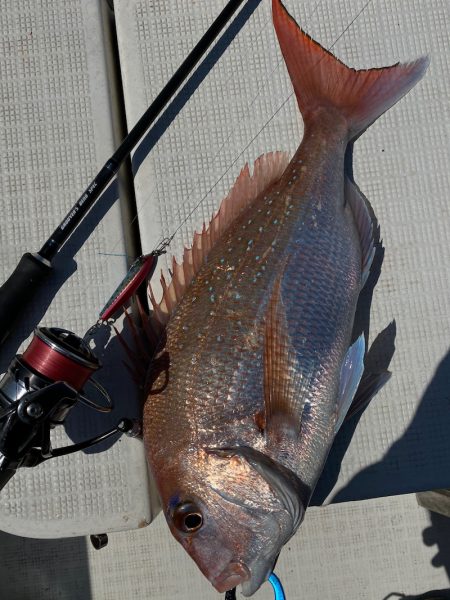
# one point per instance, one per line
(64, 266)
(195, 80)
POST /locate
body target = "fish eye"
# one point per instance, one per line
(187, 517)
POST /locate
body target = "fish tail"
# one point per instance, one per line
(320, 79)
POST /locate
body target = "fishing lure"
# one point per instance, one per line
(141, 270)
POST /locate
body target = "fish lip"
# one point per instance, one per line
(233, 575)
(249, 587)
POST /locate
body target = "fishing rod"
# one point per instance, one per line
(33, 268)
(42, 385)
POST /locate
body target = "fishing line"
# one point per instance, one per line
(351, 23)
(263, 83)
(266, 79)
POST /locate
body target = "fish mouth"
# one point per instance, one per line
(233, 575)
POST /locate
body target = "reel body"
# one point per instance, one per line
(37, 392)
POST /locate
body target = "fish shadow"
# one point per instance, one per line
(420, 459)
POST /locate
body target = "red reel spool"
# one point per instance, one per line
(60, 355)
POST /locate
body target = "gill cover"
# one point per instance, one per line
(292, 493)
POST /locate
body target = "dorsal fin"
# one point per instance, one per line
(363, 220)
(267, 170)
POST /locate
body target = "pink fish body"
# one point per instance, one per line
(257, 371)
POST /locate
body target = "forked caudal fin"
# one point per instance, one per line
(320, 79)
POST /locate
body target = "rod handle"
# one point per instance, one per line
(19, 290)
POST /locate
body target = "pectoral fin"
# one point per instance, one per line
(351, 373)
(283, 379)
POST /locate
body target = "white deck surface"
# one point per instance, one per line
(352, 551)
(55, 133)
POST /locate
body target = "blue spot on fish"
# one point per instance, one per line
(174, 501)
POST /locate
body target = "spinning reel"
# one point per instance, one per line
(38, 391)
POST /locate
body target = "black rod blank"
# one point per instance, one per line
(18, 291)
(105, 175)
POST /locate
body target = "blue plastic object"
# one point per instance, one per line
(277, 587)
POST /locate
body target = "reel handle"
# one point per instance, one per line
(19, 289)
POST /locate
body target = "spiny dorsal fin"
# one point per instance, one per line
(267, 170)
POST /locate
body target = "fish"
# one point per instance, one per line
(256, 368)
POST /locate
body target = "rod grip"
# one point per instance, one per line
(19, 290)
(5, 476)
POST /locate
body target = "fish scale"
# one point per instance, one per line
(255, 371)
